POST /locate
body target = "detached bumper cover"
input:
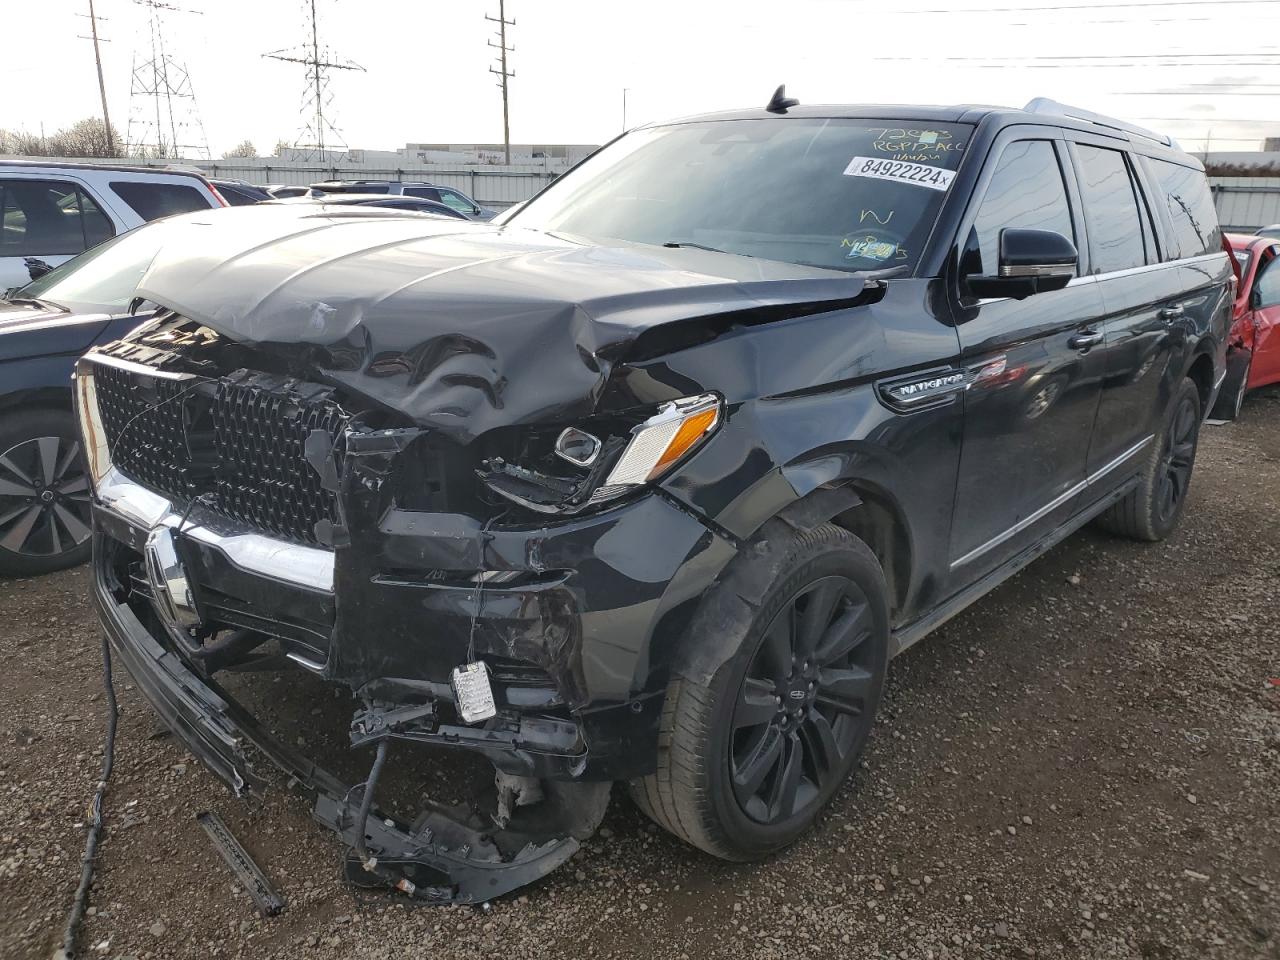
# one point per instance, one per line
(440, 858)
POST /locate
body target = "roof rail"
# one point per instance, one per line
(1055, 109)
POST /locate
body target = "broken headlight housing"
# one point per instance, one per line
(582, 466)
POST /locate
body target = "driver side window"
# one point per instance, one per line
(1026, 191)
(1266, 287)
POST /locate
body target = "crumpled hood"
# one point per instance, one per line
(462, 327)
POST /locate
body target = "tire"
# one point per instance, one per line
(719, 785)
(1151, 512)
(44, 494)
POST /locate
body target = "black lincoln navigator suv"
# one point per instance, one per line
(649, 481)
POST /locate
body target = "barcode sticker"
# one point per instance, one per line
(920, 174)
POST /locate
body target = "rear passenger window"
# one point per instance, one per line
(423, 193)
(1111, 210)
(1026, 192)
(48, 218)
(151, 201)
(1195, 221)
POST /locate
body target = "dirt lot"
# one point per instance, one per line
(1085, 764)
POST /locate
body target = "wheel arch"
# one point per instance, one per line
(831, 491)
(42, 398)
(1201, 371)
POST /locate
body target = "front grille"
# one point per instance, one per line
(142, 420)
(238, 443)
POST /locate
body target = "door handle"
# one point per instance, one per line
(1170, 314)
(1085, 341)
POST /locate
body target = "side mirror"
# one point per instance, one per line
(36, 268)
(1255, 297)
(1031, 262)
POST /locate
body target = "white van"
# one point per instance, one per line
(51, 211)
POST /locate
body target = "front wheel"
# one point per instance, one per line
(1152, 510)
(749, 757)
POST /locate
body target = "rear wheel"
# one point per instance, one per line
(44, 494)
(749, 758)
(1152, 510)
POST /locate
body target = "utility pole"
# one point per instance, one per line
(624, 109)
(102, 87)
(502, 48)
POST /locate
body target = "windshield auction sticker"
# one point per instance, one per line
(920, 174)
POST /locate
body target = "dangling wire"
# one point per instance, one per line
(95, 813)
(485, 537)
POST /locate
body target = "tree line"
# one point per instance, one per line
(88, 138)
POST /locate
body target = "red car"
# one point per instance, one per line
(1253, 358)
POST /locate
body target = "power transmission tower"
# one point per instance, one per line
(109, 137)
(502, 71)
(169, 126)
(317, 129)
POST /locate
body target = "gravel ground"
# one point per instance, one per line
(1084, 764)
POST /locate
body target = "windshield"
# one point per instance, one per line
(844, 194)
(102, 279)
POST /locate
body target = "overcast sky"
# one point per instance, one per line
(1182, 66)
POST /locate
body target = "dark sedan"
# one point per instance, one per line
(408, 204)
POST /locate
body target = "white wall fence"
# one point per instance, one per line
(1246, 204)
(489, 185)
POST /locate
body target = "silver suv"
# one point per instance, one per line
(49, 211)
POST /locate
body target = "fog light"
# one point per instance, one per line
(473, 693)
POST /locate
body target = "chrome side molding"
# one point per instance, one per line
(1052, 505)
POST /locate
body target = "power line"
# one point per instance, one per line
(1088, 56)
(502, 71)
(1205, 121)
(1089, 6)
(1196, 93)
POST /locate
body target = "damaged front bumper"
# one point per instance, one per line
(573, 620)
(443, 857)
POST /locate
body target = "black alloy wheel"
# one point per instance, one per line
(802, 707)
(1177, 458)
(45, 519)
(750, 752)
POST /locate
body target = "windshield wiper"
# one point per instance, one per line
(675, 244)
(36, 302)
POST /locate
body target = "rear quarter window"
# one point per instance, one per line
(151, 201)
(1116, 237)
(1191, 211)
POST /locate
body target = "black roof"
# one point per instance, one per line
(1040, 111)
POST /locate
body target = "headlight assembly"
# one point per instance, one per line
(606, 460)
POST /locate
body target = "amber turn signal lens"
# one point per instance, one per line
(690, 432)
